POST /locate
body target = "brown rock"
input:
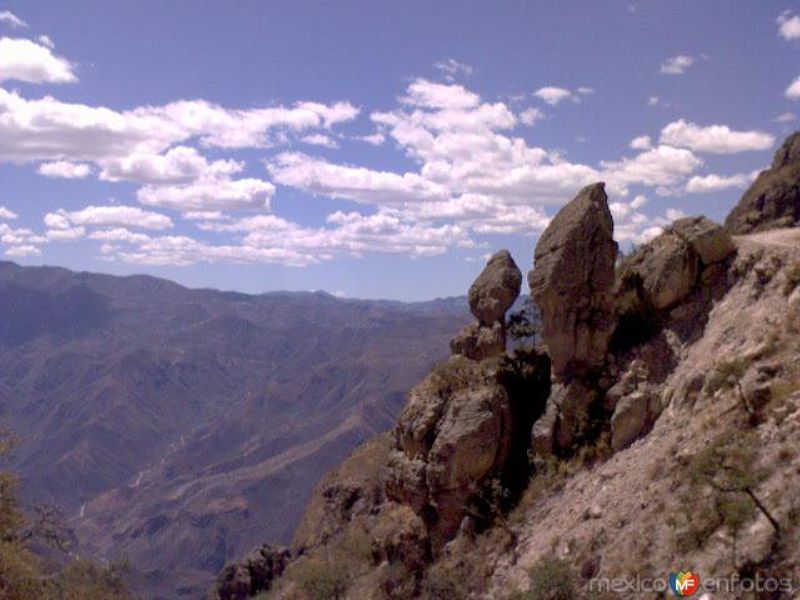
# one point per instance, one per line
(254, 574)
(572, 283)
(454, 433)
(495, 289)
(633, 417)
(710, 241)
(478, 342)
(658, 275)
(774, 198)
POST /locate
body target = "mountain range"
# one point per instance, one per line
(177, 428)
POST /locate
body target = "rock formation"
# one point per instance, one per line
(774, 198)
(572, 283)
(456, 428)
(490, 296)
(253, 574)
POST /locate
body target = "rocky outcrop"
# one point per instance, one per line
(572, 282)
(490, 296)
(664, 272)
(454, 432)
(253, 574)
(774, 198)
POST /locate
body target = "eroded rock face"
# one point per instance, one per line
(711, 242)
(659, 274)
(479, 342)
(454, 432)
(774, 198)
(253, 574)
(495, 289)
(633, 416)
(572, 283)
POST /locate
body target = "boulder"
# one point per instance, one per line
(572, 283)
(495, 289)
(400, 536)
(254, 574)
(658, 275)
(774, 198)
(479, 342)
(633, 416)
(711, 242)
(454, 433)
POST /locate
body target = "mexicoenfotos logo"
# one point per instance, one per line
(684, 583)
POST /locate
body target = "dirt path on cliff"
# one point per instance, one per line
(777, 238)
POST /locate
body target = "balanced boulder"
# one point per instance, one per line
(490, 296)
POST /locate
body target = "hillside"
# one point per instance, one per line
(180, 427)
(649, 441)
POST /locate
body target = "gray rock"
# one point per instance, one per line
(479, 342)
(633, 417)
(710, 241)
(543, 431)
(454, 433)
(572, 283)
(658, 275)
(253, 574)
(774, 198)
(495, 289)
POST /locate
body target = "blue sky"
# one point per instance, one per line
(372, 149)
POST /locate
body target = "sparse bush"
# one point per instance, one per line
(321, 579)
(442, 581)
(551, 579)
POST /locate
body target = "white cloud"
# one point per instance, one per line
(210, 194)
(24, 60)
(6, 16)
(789, 26)
(24, 250)
(553, 95)
(451, 69)
(48, 129)
(7, 213)
(659, 166)
(374, 139)
(713, 183)
(793, 91)
(66, 235)
(45, 40)
(64, 169)
(124, 216)
(677, 65)
(715, 139)
(642, 142)
(180, 164)
(204, 215)
(786, 117)
(119, 235)
(530, 116)
(653, 101)
(320, 139)
(585, 90)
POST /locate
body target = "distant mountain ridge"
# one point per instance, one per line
(181, 427)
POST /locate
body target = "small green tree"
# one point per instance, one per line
(728, 467)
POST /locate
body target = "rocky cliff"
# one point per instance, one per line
(652, 430)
